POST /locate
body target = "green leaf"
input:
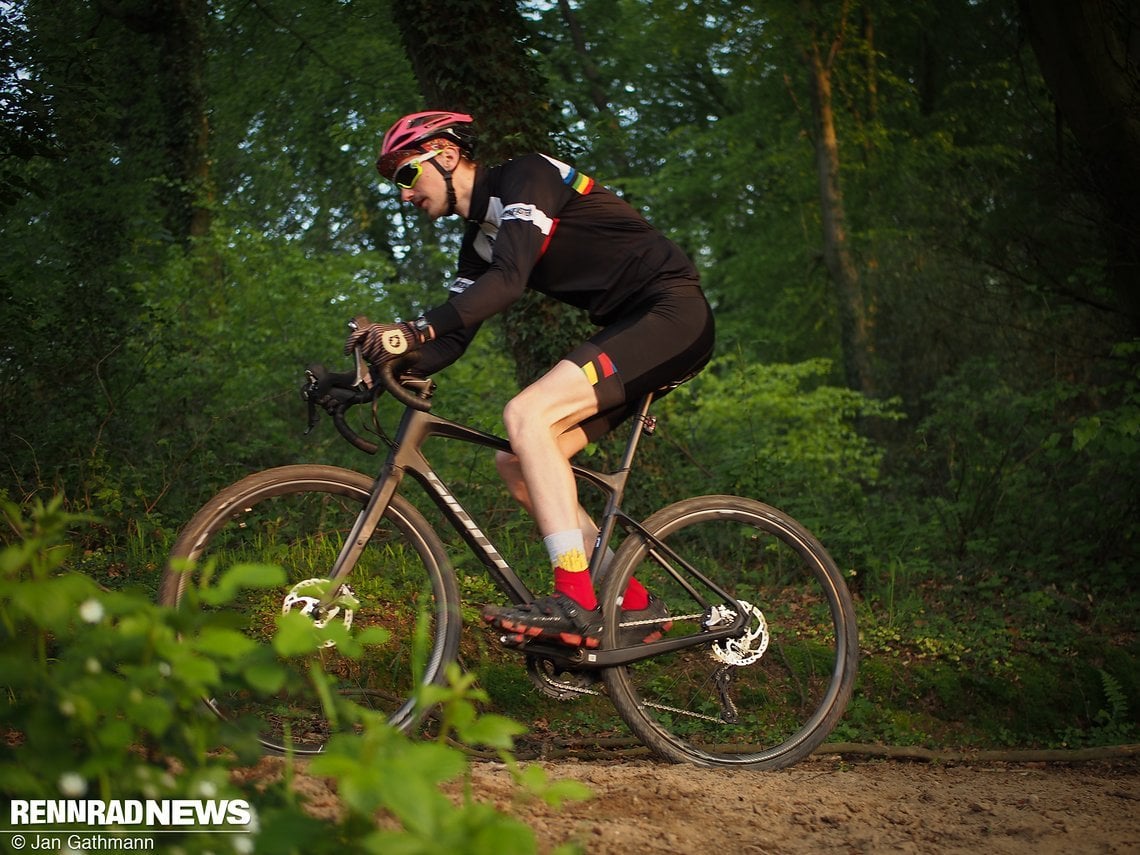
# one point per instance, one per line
(1085, 432)
(495, 731)
(296, 635)
(242, 576)
(265, 677)
(223, 643)
(374, 635)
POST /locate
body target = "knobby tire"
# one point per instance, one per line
(787, 701)
(297, 517)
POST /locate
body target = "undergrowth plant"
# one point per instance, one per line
(102, 700)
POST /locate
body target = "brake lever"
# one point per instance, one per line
(307, 394)
(363, 375)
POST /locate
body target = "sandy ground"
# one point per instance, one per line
(828, 804)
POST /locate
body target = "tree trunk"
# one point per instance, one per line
(183, 39)
(1089, 53)
(854, 338)
(177, 28)
(470, 55)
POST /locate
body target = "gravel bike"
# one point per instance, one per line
(755, 671)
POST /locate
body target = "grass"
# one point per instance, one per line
(944, 663)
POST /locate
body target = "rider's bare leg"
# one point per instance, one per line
(542, 424)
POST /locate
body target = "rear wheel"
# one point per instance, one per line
(764, 700)
(297, 517)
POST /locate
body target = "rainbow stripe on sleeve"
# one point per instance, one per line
(579, 182)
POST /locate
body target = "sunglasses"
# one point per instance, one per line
(407, 175)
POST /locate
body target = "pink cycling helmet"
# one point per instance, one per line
(411, 135)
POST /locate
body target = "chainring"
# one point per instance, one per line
(559, 684)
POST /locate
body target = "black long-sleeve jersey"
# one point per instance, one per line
(538, 223)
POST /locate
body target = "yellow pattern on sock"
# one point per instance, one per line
(572, 561)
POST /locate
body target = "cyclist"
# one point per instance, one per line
(536, 222)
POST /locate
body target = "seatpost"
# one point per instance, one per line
(643, 423)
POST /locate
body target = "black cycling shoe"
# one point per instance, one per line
(641, 626)
(560, 618)
(557, 618)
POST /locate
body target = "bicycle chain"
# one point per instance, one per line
(583, 690)
(567, 688)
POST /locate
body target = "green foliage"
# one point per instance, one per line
(1009, 487)
(99, 688)
(381, 771)
(975, 668)
(1111, 724)
(103, 690)
(780, 433)
(1114, 431)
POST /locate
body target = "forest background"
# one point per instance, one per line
(916, 223)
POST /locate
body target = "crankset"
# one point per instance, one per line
(559, 683)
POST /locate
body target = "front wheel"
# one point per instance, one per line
(765, 699)
(298, 517)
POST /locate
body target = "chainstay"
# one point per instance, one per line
(666, 707)
(583, 690)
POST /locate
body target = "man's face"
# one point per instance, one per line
(428, 191)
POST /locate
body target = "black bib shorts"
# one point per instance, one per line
(666, 339)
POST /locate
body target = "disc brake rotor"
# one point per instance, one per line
(305, 597)
(749, 647)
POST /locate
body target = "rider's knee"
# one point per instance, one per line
(516, 416)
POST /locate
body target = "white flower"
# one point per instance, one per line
(93, 665)
(254, 824)
(164, 669)
(207, 789)
(91, 611)
(72, 784)
(67, 707)
(242, 845)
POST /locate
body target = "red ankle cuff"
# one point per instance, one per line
(576, 586)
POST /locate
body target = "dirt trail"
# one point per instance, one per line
(828, 804)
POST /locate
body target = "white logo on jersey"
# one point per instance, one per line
(528, 214)
(564, 169)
